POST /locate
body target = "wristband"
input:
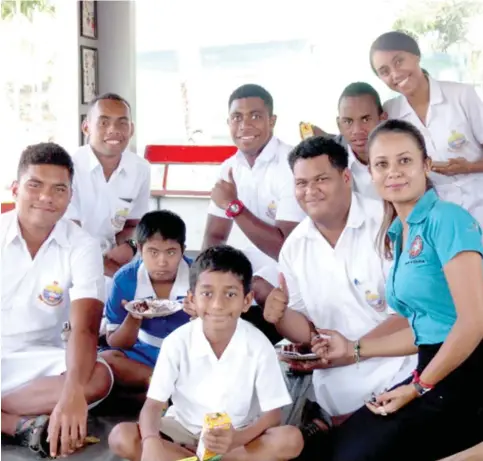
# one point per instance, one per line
(150, 436)
(357, 351)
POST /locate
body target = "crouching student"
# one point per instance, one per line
(162, 272)
(216, 363)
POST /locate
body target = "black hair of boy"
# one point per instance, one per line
(317, 146)
(108, 97)
(357, 89)
(250, 90)
(45, 153)
(163, 223)
(223, 258)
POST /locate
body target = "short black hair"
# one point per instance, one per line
(317, 146)
(164, 223)
(395, 40)
(223, 258)
(250, 90)
(108, 97)
(45, 153)
(362, 89)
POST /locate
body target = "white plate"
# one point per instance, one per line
(291, 355)
(156, 307)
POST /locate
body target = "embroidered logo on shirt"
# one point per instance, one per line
(375, 301)
(272, 210)
(456, 141)
(416, 247)
(120, 218)
(52, 295)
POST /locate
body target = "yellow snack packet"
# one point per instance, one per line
(191, 458)
(212, 421)
(306, 130)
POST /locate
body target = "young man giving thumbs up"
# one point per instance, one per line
(333, 277)
(255, 191)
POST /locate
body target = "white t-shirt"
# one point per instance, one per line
(246, 381)
(267, 189)
(343, 289)
(103, 207)
(36, 294)
(361, 177)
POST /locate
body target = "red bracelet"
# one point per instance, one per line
(417, 379)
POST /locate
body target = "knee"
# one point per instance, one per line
(100, 383)
(289, 442)
(124, 440)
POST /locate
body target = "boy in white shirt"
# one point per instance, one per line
(216, 363)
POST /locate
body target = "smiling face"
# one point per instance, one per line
(42, 195)
(398, 168)
(109, 127)
(220, 300)
(399, 70)
(321, 189)
(161, 258)
(251, 125)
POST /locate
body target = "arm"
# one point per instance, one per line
(127, 232)
(150, 416)
(127, 334)
(472, 454)
(217, 231)
(254, 430)
(396, 344)
(392, 324)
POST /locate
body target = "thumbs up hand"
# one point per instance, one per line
(277, 302)
(224, 192)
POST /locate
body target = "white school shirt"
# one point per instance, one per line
(361, 177)
(454, 128)
(246, 381)
(343, 289)
(267, 189)
(36, 294)
(103, 207)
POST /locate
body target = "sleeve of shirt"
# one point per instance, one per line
(141, 202)
(87, 271)
(474, 109)
(454, 230)
(166, 370)
(115, 312)
(74, 209)
(288, 208)
(270, 385)
(285, 266)
(213, 209)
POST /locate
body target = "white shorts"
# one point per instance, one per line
(21, 367)
(177, 432)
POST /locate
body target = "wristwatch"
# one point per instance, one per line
(421, 390)
(134, 247)
(234, 208)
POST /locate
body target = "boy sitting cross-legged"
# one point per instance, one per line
(216, 363)
(163, 273)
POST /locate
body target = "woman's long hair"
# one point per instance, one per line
(383, 241)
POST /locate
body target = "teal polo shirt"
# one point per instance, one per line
(416, 287)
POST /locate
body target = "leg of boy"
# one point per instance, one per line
(128, 372)
(276, 444)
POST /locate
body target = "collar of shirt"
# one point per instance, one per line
(93, 161)
(417, 215)
(355, 219)
(59, 233)
(200, 347)
(268, 153)
(435, 97)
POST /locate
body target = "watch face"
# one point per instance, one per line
(235, 208)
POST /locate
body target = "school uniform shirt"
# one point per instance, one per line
(246, 381)
(267, 190)
(132, 282)
(361, 177)
(342, 288)
(454, 128)
(103, 207)
(37, 293)
(417, 287)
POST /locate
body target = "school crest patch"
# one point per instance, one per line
(416, 247)
(456, 141)
(52, 294)
(119, 218)
(272, 210)
(375, 301)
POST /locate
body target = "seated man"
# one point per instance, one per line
(51, 272)
(216, 363)
(162, 272)
(255, 190)
(111, 184)
(332, 276)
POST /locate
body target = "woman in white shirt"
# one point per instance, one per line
(448, 114)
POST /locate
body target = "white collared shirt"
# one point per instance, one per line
(343, 289)
(454, 128)
(244, 382)
(103, 207)
(361, 177)
(36, 294)
(266, 189)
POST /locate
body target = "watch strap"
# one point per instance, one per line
(234, 208)
(132, 243)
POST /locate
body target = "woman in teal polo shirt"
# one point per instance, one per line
(436, 282)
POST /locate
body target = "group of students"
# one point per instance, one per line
(350, 248)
